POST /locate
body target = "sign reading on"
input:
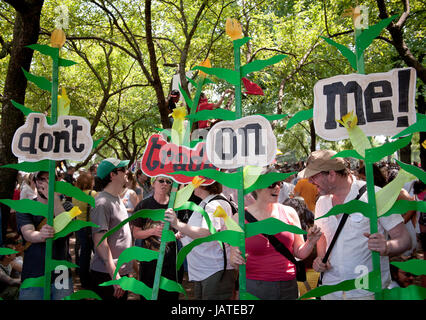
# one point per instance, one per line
(68, 139)
(383, 102)
(247, 141)
(163, 158)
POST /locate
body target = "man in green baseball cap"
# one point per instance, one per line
(109, 212)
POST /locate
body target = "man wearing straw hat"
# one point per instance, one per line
(351, 253)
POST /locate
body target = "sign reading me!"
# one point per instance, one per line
(383, 102)
(68, 139)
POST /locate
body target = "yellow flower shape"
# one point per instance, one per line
(74, 212)
(197, 181)
(349, 120)
(63, 104)
(233, 29)
(229, 223)
(206, 63)
(220, 213)
(424, 144)
(179, 113)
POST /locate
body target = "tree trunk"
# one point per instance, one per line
(25, 32)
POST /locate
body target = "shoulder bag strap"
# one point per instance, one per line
(339, 228)
(277, 244)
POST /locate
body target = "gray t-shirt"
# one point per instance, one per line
(108, 213)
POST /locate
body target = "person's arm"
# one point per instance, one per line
(104, 253)
(30, 234)
(8, 280)
(188, 230)
(399, 242)
(139, 233)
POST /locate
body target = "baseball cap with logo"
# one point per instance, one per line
(321, 160)
(107, 165)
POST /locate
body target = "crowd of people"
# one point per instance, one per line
(273, 262)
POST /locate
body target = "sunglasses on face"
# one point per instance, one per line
(164, 181)
(272, 186)
(122, 169)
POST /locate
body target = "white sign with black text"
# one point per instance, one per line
(383, 102)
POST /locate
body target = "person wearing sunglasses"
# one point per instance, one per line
(270, 275)
(110, 211)
(149, 232)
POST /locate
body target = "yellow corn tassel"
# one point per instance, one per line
(178, 127)
(62, 219)
(233, 29)
(386, 197)
(184, 194)
(251, 174)
(206, 63)
(230, 224)
(358, 138)
(63, 104)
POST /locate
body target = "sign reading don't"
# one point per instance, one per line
(68, 139)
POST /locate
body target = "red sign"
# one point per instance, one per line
(163, 158)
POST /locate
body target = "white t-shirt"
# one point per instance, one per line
(207, 258)
(350, 252)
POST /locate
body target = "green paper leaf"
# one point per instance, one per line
(270, 226)
(346, 52)
(348, 154)
(27, 206)
(83, 294)
(299, 117)
(240, 42)
(135, 253)
(7, 251)
(412, 292)
(228, 179)
(73, 226)
(225, 74)
(171, 286)
(272, 117)
(185, 96)
(266, 180)
(73, 192)
(402, 206)
(419, 173)
(420, 116)
(368, 35)
(247, 296)
(44, 49)
(153, 214)
(386, 197)
(419, 126)
(193, 143)
(40, 82)
(131, 284)
(414, 266)
(42, 165)
(250, 175)
(193, 82)
(33, 282)
(352, 206)
(228, 236)
(194, 207)
(96, 143)
(55, 263)
(376, 154)
(326, 289)
(66, 63)
(26, 111)
(218, 113)
(258, 65)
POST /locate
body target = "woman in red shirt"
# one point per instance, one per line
(271, 276)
